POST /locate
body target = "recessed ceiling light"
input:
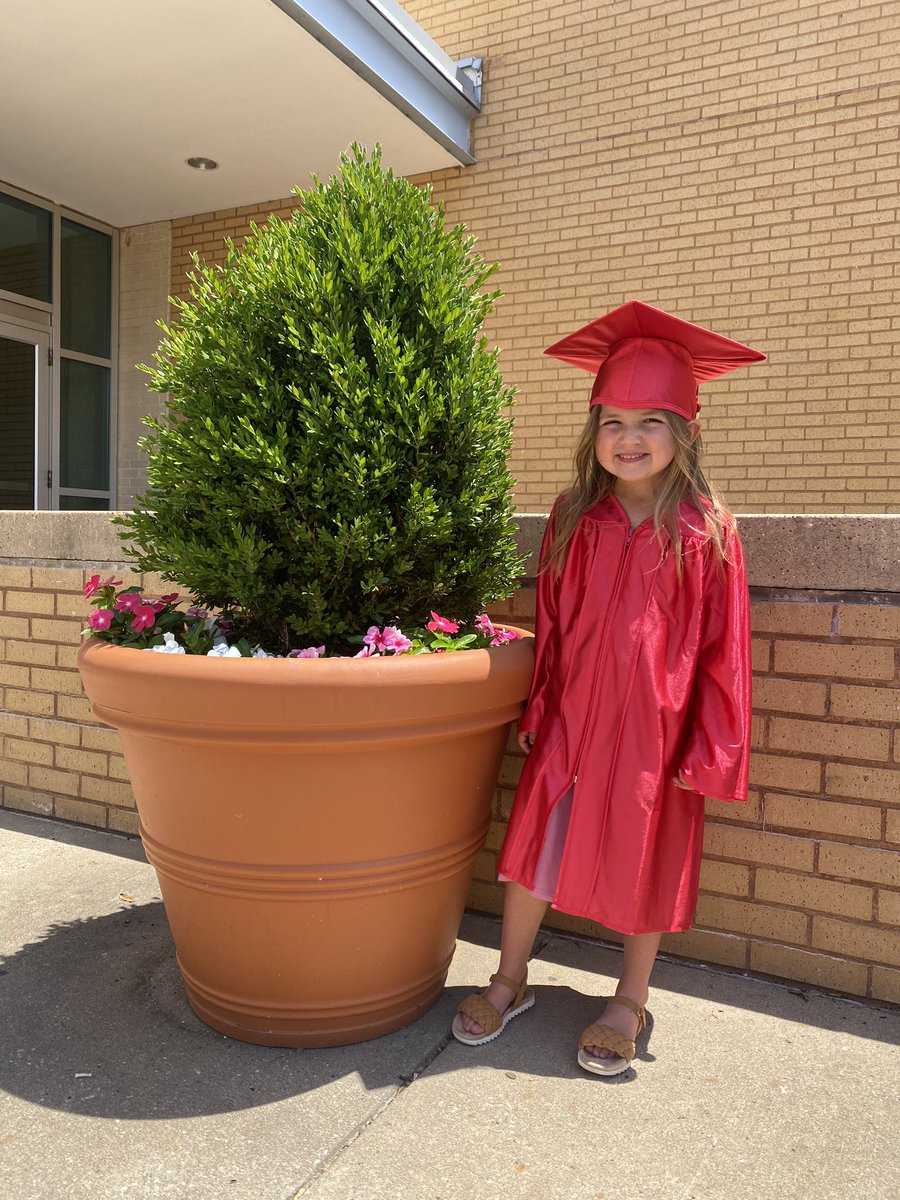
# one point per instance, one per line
(202, 164)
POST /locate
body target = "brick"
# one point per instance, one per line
(29, 602)
(789, 695)
(892, 833)
(860, 862)
(46, 779)
(24, 800)
(731, 878)
(74, 708)
(863, 783)
(59, 579)
(14, 627)
(829, 739)
(745, 812)
(107, 791)
(13, 772)
(94, 762)
(888, 907)
(886, 984)
(485, 897)
(510, 770)
(15, 577)
(45, 680)
(865, 703)
(65, 808)
(95, 738)
(759, 920)
(822, 816)
(123, 821)
(768, 616)
(728, 949)
(15, 676)
(59, 732)
(820, 970)
(809, 892)
(28, 752)
(869, 621)
(30, 652)
(851, 940)
(39, 704)
(833, 661)
(16, 725)
(791, 774)
(761, 654)
(44, 629)
(70, 605)
(754, 846)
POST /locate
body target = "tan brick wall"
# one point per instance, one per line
(735, 163)
(802, 882)
(144, 277)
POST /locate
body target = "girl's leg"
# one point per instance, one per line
(640, 954)
(522, 916)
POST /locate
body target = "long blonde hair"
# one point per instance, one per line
(683, 480)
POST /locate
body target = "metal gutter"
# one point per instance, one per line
(384, 46)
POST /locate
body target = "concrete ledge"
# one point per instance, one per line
(818, 552)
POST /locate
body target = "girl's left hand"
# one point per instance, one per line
(679, 783)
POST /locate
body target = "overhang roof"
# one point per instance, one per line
(103, 101)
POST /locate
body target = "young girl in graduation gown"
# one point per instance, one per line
(640, 701)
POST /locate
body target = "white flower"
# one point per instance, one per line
(223, 650)
(169, 646)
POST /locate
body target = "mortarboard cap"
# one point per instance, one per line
(645, 358)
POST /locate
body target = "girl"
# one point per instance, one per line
(640, 701)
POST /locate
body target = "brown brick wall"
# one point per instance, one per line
(735, 163)
(803, 882)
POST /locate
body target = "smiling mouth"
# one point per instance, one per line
(630, 458)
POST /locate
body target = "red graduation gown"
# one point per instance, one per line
(638, 675)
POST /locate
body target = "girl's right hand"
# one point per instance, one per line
(525, 738)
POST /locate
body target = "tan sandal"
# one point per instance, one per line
(488, 1016)
(604, 1037)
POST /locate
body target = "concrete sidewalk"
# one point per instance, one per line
(112, 1088)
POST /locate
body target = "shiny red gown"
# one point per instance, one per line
(638, 676)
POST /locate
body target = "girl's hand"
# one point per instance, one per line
(526, 740)
(679, 783)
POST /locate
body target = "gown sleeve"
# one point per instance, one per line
(716, 758)
(545, 627)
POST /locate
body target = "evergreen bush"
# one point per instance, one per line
(334, 451)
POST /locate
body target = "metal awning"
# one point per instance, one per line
(103, 101)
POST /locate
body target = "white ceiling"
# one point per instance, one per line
(103, 100)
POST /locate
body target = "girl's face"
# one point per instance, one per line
(636, 445)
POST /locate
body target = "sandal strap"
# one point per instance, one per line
(482, 1011)
(604, 1037)
(517, 988)
(637, 1009)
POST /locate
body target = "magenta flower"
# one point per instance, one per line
(169, 598)
(368, 652)
(372, 638)
(485, 625)
(101, 618)
(393, 639)
(128, 602)
(441, 625)
(309, 652)
(504, 635)
(94, 585)
(144, 617)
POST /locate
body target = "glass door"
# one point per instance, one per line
(24, 417)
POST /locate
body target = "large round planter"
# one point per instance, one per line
(314, 823)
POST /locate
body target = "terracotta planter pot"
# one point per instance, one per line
(314, 823)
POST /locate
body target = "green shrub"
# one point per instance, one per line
(334, 452)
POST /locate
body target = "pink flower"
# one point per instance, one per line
(128, 602)
(373, 636)
(144, 617)
(393, 639)
(367, 652)
(101, 618)
(504, 635)
(485, 625)
(441, 625)
(169, 598)
(309, 652)
(94, 585)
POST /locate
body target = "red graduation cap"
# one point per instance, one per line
(645, 358)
